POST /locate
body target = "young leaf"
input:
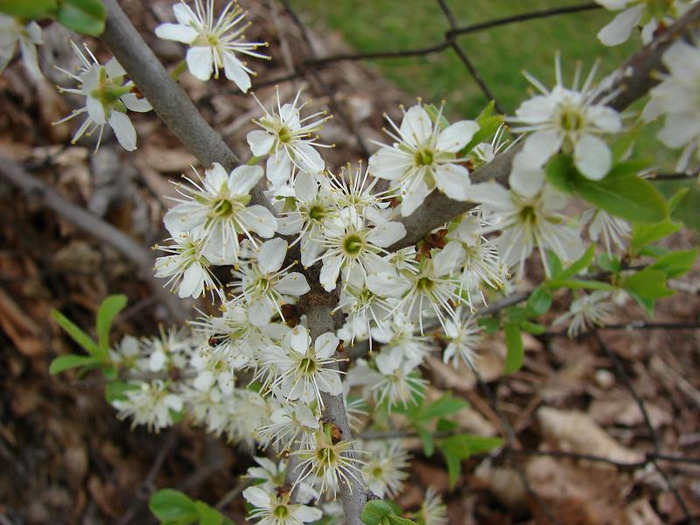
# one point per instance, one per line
(28, 9)
(559, 173)
(643, 234)
(109, 309)
(428, 441)
(489, 325)
(170, 505)
(461, 446)
(647, 284)
(75, 333)
(676, 264)
(375, 511)
(539, 301)
(210, 516)
(444, 406)
(577, 266)
(66, 362)
(624, 195)
(84, 16)
(514, 342)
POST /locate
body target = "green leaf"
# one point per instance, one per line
(84, 16)
(487, 128)
(75, 333)
(209, 516)
(66, 362)
(647, 284)
(559, 172)
(444, 406)
(609, 263)
(428, 441)
(554, 263)
(654, 250)
(643, 234)
(375, 511)
(574, 284)
(109, 309)
(539, 302)
(624, 195)
(461, 446)
(676, 264)
(398, 520)
(514, 342)
(533, 328)
(170, 505)
(116, 390)
(489, 325)
(28, 9)
(577, 266)
(436, 115)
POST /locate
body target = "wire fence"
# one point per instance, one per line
(308, 67)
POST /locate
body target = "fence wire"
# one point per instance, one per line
(308, 68)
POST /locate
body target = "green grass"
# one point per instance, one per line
(499, 54)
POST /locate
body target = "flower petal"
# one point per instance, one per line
(592, 157)
(456, 136)
(200, 62)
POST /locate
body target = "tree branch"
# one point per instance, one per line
(168, 99)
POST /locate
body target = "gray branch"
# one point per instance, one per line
(166, 96)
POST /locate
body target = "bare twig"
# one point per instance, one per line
(139, 256)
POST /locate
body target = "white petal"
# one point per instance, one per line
(244, 178)
(134, 103)
(257, 497)
(541, 145)
(388, 163)
(177, 32)
(279, 168)
(192, 284)
(271, 255)
(329, 381)
(414, 198)
(618, 31)
(387, 284)
(330, 271)
(309, 159)
(326, 345)
(592, 157)
(456, 136)
(386, 233)
(259, 219)
(200, 62)
(123, 129)
(448, 259)
(234, 71)
(416, 126)
(293, 284)
(453, 181)
(185, 15)
(259, 312)
(260, 142)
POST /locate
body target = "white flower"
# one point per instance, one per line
(433, 511)
(384, 471)
(424, 157)
(264, 284)
(678, 99)
(608, 228)
(290, 426)
(149, 405)
(213, 43)
(529, 222)
(272, 474)
(432, 287)
(351, 241)
(586, 311)
(569, 120)
(107, 97)
(272, 509)
(219, 206)
(462, 336)
(288, 139)
(328, 464)
(304, 367)
(649, 14)
(28, 36)
(189, 265)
